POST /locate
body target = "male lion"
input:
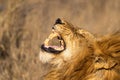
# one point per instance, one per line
(79, 56)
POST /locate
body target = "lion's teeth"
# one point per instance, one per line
(61, 43)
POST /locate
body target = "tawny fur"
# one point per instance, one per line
(86, 58)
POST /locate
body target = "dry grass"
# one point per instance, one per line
(24, 24)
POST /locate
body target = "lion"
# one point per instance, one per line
(79, 55)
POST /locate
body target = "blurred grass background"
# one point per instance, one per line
(24, 25)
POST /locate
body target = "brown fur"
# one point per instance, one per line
(108, 63)
(86, 59)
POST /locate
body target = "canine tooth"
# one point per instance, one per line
(62, 42)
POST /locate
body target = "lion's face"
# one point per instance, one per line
(70, 43)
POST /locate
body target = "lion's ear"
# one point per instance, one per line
(101, 63)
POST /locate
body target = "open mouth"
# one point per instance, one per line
(54, 43)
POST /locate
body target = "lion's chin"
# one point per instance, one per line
(53, 48)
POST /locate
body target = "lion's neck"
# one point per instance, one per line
(70, 71)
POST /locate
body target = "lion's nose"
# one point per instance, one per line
(58, 21)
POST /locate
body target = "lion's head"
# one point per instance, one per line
(71, 41)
